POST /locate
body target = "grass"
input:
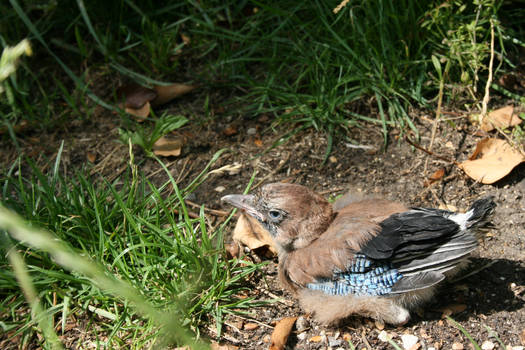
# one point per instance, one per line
(295, 60)
(117, 250)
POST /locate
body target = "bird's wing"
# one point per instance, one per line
(407, 251)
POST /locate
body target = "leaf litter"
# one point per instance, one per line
(492, 160)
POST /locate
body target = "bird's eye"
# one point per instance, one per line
(275, 215)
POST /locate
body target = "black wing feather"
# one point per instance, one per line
(408, 232)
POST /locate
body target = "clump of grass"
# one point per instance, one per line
(118, 250)
(296, 60)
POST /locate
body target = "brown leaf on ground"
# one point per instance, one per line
(91, 157)
(491, 160)
(452, 309)
(315, 339)
(229, 131)
(233, 250)
(141, 113)
(217, 346)
(522, 337)
(500, 118)
(251, 326)
(436, 176)
(249, 232)
(135, 95)
(281, 332)
(166, 93)
(185, 39)
(167, 147)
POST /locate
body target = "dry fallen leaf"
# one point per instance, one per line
(315, 339)
(232, 249)
(522, 337)
(135, 95)
(167, 147)
(436, 176)
(185, 39)
(500, 118)
(229, 131)
(491, 161)
(249, 232)
(91, 157)
(166, 93)
(251, 326)
(217, 346)
(452, 309)
(141, 114)
(258, 142)
(281, 332)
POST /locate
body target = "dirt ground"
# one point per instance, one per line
(487, 300)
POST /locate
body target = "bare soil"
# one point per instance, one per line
(487, 300)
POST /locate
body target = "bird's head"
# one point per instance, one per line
(293, 215)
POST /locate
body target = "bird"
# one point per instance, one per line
(362, 256)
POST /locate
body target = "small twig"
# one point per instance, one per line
(339, 189)
(233, 327)
(183, 174)
(224, 335)
(351, 145)
(211, 211)
(486, 98)
(160, 169)
(438, 117)
(278, 298)
(363, 336)
(117, 174)
(273, 172)
(190, 214)
(407, 139)
(475, 53)
(254, 321)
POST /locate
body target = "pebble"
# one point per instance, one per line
(409, 341)
(487, 345)
(220, 189)
(457, 346)
(302, 336)
(251, 131)
(302, 323)
(383, 336)
(333, 342)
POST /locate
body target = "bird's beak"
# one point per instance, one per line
(245, 202)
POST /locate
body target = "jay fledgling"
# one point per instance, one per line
(370, 257)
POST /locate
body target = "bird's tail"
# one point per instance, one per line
(478, 214)
(428, 267)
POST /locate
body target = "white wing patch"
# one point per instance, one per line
(462, 218)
